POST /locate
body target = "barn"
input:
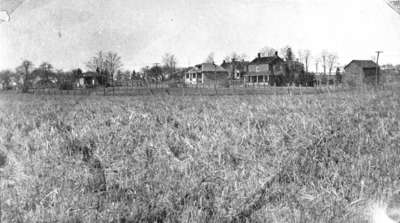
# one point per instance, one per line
(361, 72)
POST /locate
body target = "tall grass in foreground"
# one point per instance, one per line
(323, 158)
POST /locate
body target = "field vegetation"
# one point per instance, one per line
(306, 158)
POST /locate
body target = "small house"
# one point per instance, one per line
(360, 72)
(90, 79)
(207, 73)
(236, 69)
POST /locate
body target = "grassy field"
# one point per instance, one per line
(307, 158)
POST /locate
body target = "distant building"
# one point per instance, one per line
(265, 69)
(236, 69)
(388, 67)
(207, 73)
(11, 85)
(91, 79)
(389, 74)
(360, 72)
(45, 83)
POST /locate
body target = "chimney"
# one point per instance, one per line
(259, 55)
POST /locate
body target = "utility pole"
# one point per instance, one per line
(377, 68)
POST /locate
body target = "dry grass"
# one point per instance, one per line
(323, 158)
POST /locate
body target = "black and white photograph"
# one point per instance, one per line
(199, 111)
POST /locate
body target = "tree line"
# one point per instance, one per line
(108, 65)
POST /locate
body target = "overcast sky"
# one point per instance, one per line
(68, 33)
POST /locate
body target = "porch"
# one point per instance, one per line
(257, 79)
(194, 78)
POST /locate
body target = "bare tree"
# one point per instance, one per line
(317, 62)
(267, 51)
(300, 56)
(307, 55)
(123, 76)
(169, 61)
(210, 58)
(324, 60)
(112, 63)
(332, 61)
(288, 53)
(235, 56)
(97, 63)
(105, 63)
(304, 56)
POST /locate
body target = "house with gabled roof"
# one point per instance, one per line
(237, 69)
(360, 72)
(91, 79)
(264, 70)
(207, 73)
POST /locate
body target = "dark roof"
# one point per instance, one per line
(363, 64)
(266, 60)
(194, 70)
(235, 62)
(241, 64)
(209, 67)
(45, 83)
(90, 74)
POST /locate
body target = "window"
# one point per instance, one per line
(187, 76)
(257, 69)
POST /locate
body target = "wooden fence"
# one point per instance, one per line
(182, 89)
